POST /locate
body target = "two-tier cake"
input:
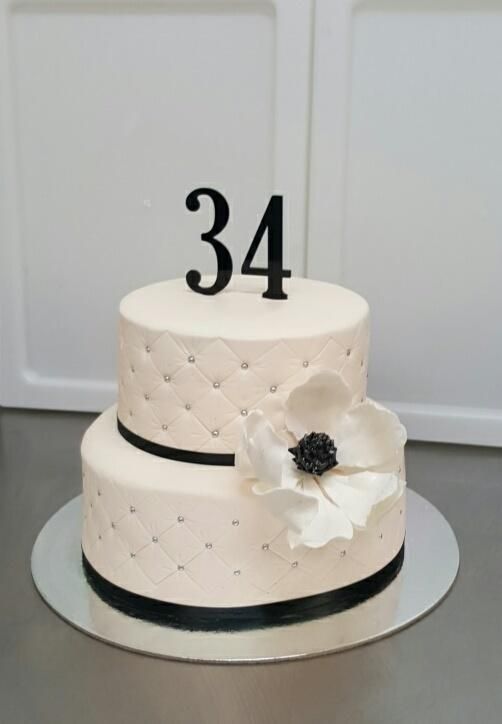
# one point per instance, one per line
(244, 477)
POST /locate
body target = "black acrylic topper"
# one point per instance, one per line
(225, 266)
(272, 222)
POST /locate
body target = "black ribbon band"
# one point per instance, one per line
(174, 453)
(241, 618)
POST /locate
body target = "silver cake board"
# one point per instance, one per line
(430, 567)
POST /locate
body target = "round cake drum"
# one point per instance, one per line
(429, 570)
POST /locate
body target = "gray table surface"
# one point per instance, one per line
(446, 669)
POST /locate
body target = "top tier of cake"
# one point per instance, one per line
(191, 366)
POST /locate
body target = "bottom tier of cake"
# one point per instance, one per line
(195, 535)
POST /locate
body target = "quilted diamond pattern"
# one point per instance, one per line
(192, 544)
(197, 535)
(191, 392)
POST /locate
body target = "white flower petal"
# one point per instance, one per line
(368, 435)
(317, 405)
(290, 479)
(291, 476)
(243, 463)
(385, 505)
(290, 505)
(330, 522)
(357, 494)
(262, 450)
(260, 488)
(392, 465)
(312, 520)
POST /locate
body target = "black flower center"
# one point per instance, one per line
(315, 453)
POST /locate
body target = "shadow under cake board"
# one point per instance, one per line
(429, 570)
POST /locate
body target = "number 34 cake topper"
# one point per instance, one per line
(272, 222)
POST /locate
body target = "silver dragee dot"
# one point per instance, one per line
(99, 493)
(147, 396)
(164, 427)
(167, 378)
(265, 546)
(148, 348)
(133, 555)
(188, 406)
(113, 525)
(191, 359)
(180, 519)
(305, 363)
(244, 365)
(132, 509)
(209, 546)
(99, 537)
(381, 536)
(235, 521)
(244, 413)
(215, 433)
(181, 568)
(294, 564)
(237, 573)
(348, 352)
(343, 554)
(216, 385)
(273, 388)
(155, 539)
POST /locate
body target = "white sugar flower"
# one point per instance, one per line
(343, 463)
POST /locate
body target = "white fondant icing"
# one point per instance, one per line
(179, 523)
(189, 364)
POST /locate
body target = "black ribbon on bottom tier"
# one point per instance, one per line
(241, 618)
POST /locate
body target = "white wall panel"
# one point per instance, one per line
(405, 203)
(111, 114)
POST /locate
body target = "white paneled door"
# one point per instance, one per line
(111, 114)
(379, 121)
(405, 200)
